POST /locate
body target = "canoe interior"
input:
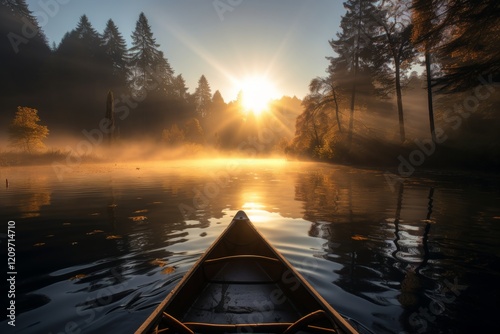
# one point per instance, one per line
(242, 280)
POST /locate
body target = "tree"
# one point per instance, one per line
(179, 88)
(464, 35)
(150, 70)
(396, 28)
(25, 133)
(353, 47)
(117, 53)
(24, 50)
(203, 97)
(110, 116)
(425, 19)
(327, 95)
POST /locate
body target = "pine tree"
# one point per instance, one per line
(203, 97)
(395, 52)
(149, 67)
(116, 50)
(464, 35)
(425, 20)
(24, 50)
(179, 88)
(354, 48)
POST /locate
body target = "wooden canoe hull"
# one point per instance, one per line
(243, 284)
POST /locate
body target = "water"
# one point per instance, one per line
(97, 250)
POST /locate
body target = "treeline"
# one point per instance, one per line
(68, 84)
(372, 104)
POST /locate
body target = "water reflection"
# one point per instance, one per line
(111, 241)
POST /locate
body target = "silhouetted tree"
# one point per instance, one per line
(327, 94)
(116, 50)
(203, 97)
(395, 50)
(149, 67)
(464, 34)
(23, 50)
(179, 88)
(110, 117)
(354, 47)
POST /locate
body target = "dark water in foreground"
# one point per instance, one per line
(98, 250)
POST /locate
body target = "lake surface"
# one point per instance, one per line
(98, 247)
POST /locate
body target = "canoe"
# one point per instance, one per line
(243, 284)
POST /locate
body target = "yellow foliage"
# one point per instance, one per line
(25, 133)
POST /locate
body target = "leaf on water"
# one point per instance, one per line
(95, 231)
(157, 202)
(141, 211)
(168, 270)
(138, 219)
(158, 262)
(358, 237)
(77, 276)
(39, 244)
(112, 237)
(203, 234)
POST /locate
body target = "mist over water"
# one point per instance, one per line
(99, 249)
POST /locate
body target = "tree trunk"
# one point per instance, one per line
(110, 116)
(353, 97)
(337, 110)
(400, 102)
(429, 95)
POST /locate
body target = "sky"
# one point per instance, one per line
(285, 41)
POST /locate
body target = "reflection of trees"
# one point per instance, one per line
(30, 201)
(376, 251)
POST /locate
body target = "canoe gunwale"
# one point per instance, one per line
(272, 256)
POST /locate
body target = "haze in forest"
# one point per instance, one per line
(403, 81)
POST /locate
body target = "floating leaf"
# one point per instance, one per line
(39, 244)
(358, 237)
(203, 234)
(141, 211)
(112, 237)
(168, 270)
(94, 232)
(138, 219)
(158, 262)
(77, 276)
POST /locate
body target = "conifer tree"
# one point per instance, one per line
(353, 46)
(203, 97)
(150, 70)
(116, 51)
(395, 51)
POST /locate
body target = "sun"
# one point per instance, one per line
(257, 92)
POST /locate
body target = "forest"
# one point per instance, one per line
(402, 76)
